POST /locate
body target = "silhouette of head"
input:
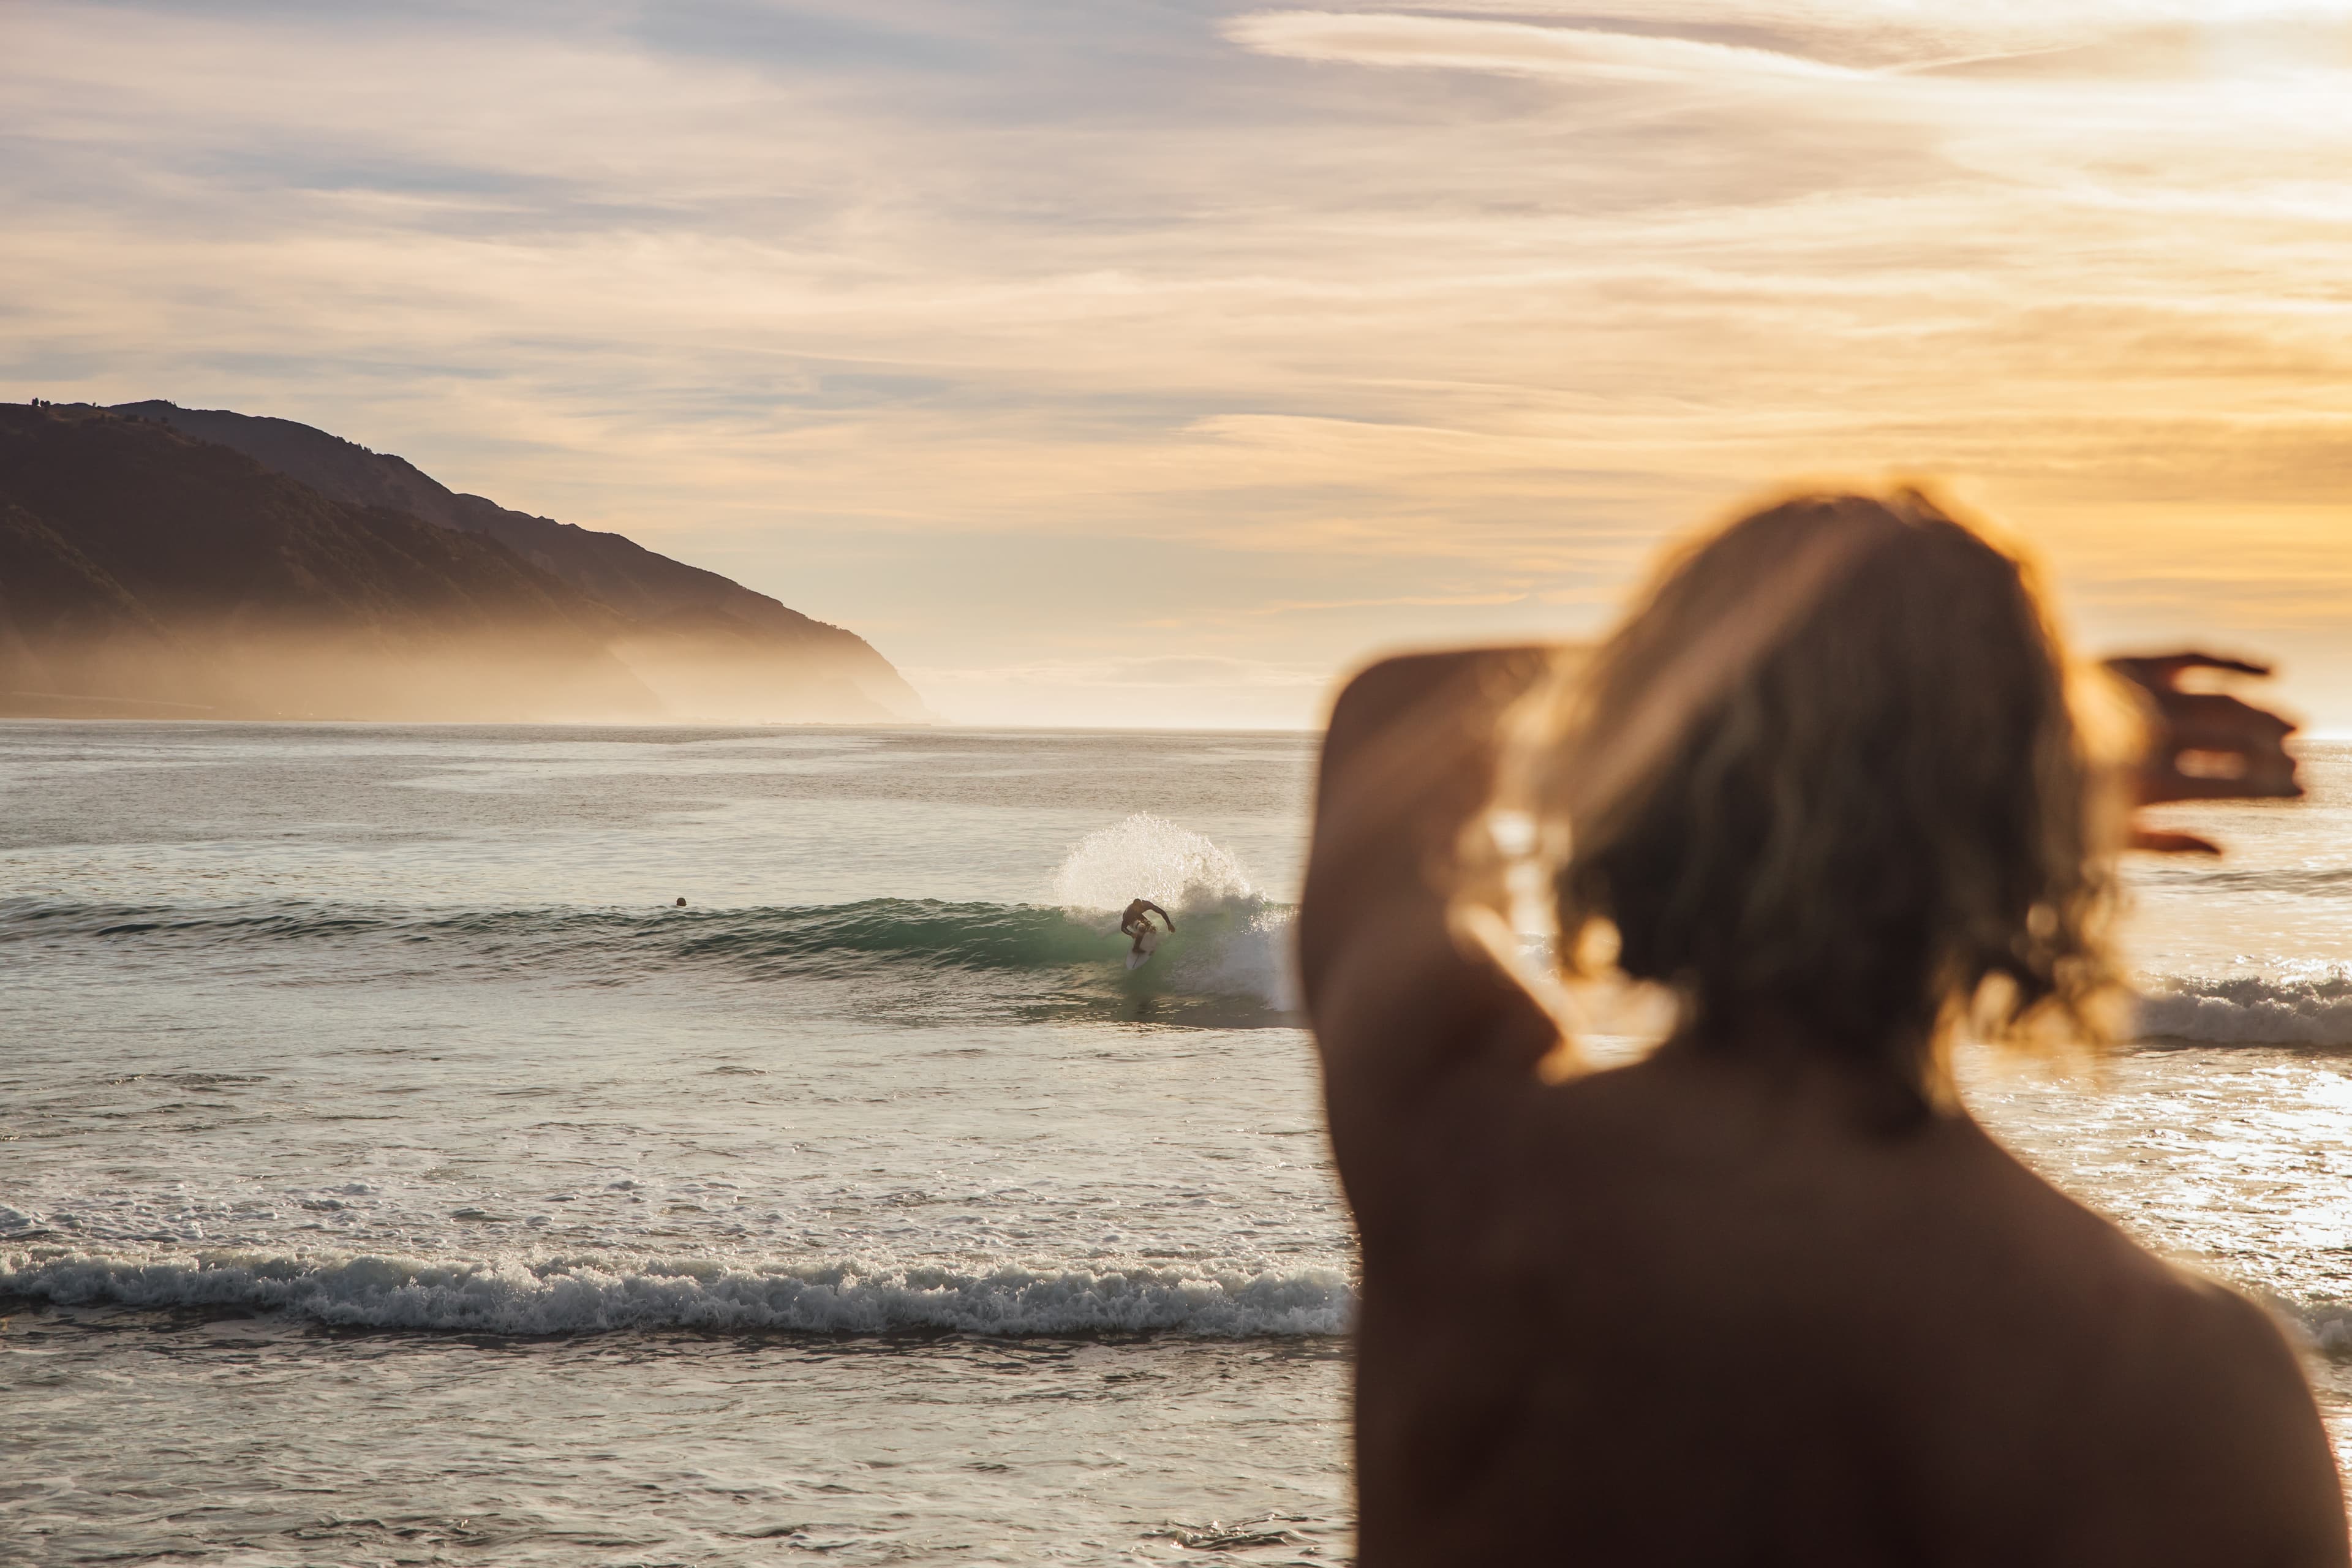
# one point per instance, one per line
(1830, 769)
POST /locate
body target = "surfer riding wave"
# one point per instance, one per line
(1135, 921)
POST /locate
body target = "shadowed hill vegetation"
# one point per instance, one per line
(706, 643)
(145, 570)
(140, 568)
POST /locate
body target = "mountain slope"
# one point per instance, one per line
(67, 627)
(709, 644)
(141, 569)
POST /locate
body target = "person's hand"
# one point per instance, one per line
(2203, 745)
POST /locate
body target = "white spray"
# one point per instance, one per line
(1236, 944)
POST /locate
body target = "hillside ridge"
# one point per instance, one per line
(145, 559)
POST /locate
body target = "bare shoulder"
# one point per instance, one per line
(2168, 1415)
(2101, 1405)
(2178, 1427)
(2210, 1365)
(2215, 1439)
(2238, 1381)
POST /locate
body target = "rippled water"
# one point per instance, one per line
(391, 1172)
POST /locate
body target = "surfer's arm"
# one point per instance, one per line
(1406, 1016)
(1163, 914)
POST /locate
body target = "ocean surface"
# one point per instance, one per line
(390, 1171)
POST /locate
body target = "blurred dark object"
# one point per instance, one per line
(2204, 745)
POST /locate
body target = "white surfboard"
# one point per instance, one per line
(1149, 944)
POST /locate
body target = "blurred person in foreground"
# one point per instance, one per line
(1770, 1295)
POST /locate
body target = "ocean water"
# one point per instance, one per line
(391, 1172)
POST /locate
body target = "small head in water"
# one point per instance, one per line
(679, 905)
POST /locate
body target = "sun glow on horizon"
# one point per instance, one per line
(1151, 365)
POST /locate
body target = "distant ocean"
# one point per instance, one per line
(390, 1171)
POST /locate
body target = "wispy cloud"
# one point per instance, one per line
(1911, 33)
(1040, 336)
(1454, 43)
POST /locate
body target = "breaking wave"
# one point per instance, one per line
(1146, 857)
(573, 1296)
(1236, 948)
(1229, 941)
(2250, 1009)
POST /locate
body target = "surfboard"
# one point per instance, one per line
(1151, 942)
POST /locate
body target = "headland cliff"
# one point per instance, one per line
(160, 561)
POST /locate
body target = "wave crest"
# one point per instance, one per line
(1146, 857)
(572, 1296)
(2313, 1009)
(1235, 950)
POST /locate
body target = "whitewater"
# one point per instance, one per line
(370, 1084)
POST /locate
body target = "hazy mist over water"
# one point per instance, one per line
(389, 1170)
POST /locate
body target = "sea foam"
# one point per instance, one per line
(1146, 857)
(560, 1296)
(2313, 1009)
(1228, 940)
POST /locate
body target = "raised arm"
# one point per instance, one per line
(1412, 1022)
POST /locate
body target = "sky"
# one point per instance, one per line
(1153, 361)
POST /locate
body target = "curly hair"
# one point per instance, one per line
(1836, 768)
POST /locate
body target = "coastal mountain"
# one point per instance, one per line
(156, 560)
